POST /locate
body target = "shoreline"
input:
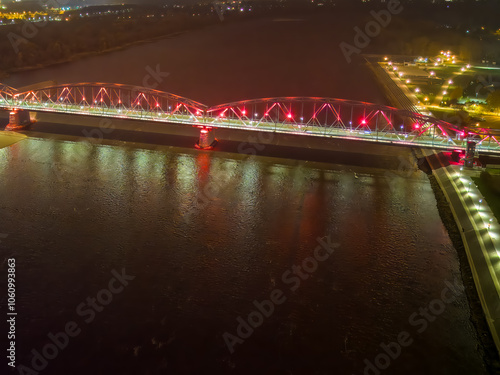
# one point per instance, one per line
(477, 317)
(473, 253)
(445, 209)
(83, 55)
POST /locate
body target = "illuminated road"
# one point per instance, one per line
(479, 231)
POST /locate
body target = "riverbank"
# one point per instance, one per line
(477, 314)
(480, 317)
(82, 55)
(475, 244)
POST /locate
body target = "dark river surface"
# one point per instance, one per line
(204, 237)
(225, 63)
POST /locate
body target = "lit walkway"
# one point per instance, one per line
(480, 233)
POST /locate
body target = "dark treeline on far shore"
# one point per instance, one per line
(35, 44)
(470, 29)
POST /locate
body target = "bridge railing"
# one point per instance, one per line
(325, 117)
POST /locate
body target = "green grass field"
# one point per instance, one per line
(491, 197)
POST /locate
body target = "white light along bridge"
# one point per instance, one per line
(308, 116)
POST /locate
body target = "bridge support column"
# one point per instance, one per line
(18, 119)
(207, 139)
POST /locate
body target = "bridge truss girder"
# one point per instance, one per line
(313, 116)
(111, 100)
(333, 117)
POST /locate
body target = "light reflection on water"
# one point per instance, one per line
(206, 234)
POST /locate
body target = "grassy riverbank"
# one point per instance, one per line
(492, 198)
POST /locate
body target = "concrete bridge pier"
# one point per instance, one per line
(207, 139)
(18, 119)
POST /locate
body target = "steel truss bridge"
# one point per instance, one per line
(323, 117)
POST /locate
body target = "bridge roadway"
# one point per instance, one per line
(309, 116)
(365, 134)
(399, 94)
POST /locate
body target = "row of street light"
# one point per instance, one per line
(478, 207)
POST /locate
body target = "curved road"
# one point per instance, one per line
(479, 231)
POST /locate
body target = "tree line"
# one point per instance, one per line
(32, 45)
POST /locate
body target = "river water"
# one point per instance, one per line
(231, 62)
(196, 237)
